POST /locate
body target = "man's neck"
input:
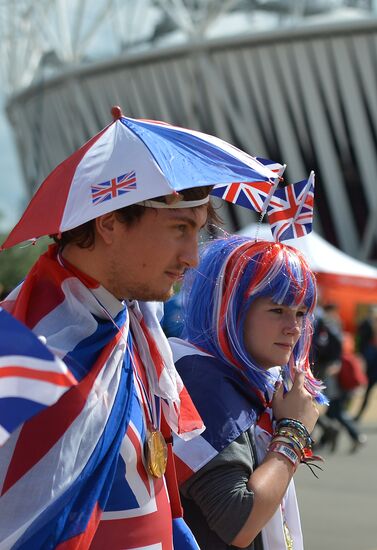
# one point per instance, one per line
(85, 260)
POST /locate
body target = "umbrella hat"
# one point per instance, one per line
(129, 161)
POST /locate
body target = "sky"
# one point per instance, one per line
(12, 187)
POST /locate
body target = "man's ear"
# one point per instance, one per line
(106, 227)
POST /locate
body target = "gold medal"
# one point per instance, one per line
(157, 453)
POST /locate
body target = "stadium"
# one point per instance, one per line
(291, 81)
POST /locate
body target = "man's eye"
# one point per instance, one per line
(277, 310)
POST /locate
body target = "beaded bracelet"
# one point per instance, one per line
(290, 434)
(293, 435)
(296, 425)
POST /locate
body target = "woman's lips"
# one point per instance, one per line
(282, 345)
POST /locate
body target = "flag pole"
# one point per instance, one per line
(305, 194)
(269, 197)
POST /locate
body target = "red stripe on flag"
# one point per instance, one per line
(252, 199)
(232, 192)
(189, 418)
(41, 291)
(140, 468)
(42, 431)
(299, 230)
(184, 472)
(38, 296)
(56, 378)
(264, 422)
(83, 541)
(139, 531)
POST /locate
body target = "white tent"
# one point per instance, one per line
(322, 256)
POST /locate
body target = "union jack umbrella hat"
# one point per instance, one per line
(128, 162)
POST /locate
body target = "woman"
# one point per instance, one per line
(248, 310)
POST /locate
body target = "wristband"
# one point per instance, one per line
(286, 451)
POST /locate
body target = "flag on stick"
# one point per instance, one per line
(256, 193)
(290, 212)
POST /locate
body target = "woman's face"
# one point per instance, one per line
(271, 331)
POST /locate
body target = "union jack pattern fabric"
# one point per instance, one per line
(290, 212)
(85, 452)
(252, 194)
(241, 413)
(115, 187)
(163, 158)
(228, 410)
(31, 377)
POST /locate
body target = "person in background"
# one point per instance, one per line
(245, 362)
(366, 338)
(328, 343)
(326, 358)
(352, 376)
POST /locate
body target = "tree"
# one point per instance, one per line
(16, 262)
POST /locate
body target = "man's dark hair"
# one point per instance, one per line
(84, 235)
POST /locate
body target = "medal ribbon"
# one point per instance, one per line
(150, 403)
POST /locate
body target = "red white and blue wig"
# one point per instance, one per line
(233, 272)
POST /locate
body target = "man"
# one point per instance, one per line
(125, 211)
(78, 475)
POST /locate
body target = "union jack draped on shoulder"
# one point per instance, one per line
(73, 449)
(32, 378)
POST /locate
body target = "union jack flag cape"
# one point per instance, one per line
(73, 475)
(31, 378)
(229, 407)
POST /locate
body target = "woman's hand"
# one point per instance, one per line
(296, 403)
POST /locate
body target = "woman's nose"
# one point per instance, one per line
(291, 325)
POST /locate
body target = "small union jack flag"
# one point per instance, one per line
(251, 194)
(115, 187)
(255, 194)
(290, 212)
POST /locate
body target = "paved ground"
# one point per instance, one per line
(339, 510)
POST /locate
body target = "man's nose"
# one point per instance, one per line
(189, 254)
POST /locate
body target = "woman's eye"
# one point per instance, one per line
(277, 310)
